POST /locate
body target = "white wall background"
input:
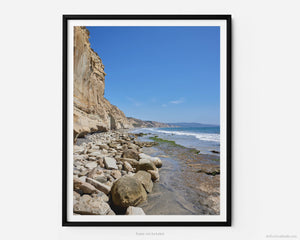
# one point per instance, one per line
(266, 86)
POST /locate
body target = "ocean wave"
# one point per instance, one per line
(212, 137)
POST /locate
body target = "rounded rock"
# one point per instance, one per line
(128, 191)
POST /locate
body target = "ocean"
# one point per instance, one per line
(205, 139)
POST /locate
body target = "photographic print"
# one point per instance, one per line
(146, 120)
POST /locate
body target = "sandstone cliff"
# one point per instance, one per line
(91, 111)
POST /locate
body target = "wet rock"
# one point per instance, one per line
(164, 156)
(135, 211)
(145, 178)
(127, 191)
(100, 186)
(110, 163)
(215, 151)
(86, 205)
(210, 171)
(145, 144)
(130, 153)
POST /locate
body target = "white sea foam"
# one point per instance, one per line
(212, 137)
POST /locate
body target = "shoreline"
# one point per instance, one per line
(197, 179)
(197, 174)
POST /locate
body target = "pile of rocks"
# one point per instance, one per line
(110, 171)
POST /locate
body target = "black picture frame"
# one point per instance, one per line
(228, 222)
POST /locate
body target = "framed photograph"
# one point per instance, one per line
(146, 120)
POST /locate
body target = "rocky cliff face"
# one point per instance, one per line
(137, 123)
(91, 112)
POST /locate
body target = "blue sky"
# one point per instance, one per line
(166, 74)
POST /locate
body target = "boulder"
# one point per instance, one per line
(135, 211)
(100, 186)
(133, 162)
(127, 191)
(87, 205)
(110, 163)
(156, 160)
(131, 153)
(146, 164)
(154, 175)
(145, 178)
